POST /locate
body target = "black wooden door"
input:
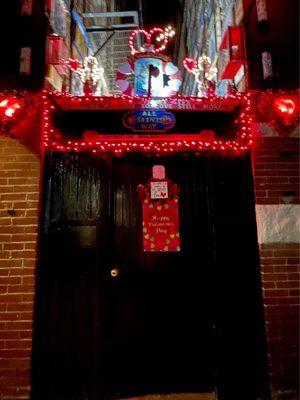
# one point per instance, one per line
(169, 322)
(159, 322)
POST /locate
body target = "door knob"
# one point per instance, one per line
(114, 272)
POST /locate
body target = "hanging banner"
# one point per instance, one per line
(160, 213)
(160, 225)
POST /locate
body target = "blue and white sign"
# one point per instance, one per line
(149, 120)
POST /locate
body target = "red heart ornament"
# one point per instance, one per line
(151, 39)
(189, 64)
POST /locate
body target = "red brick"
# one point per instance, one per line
(23, 254)
(13, 196)
(21, 289)
(269, 285)
(273, 260)
(15, 372)
(28, 297)
(19, 325)
(294, 292)
(18, 344)
(292, 261)
(26, 334)
(15, 363)
(26, 237)
(13, 246)
(20, 306)
(11, 298)
(28, 280)
(276, 293)
(4, 254)
(9, 280)
(285, 268)
(9, 335)
(287, 284)
(274, 277)
(12, 229)
(20, 205)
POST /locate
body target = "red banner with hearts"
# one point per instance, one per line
(160, 225)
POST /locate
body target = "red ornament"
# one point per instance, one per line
(285, 106)
(9, 107)
(286, 112)
(74, 65)
(189, 64)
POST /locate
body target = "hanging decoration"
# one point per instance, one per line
(90, 74)
(11, 107)
(160, 213)
(204, 73)
(279, 109)
(147, 72)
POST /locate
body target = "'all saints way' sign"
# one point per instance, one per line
(149, 120)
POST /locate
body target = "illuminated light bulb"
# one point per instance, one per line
(9, 112)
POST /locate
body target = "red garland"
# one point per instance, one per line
(280, 109)
(156, 145)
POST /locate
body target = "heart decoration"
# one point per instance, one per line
(285, 106)
(151, 37)
(189, 64)
(74, 64)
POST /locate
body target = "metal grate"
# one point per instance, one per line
(109, 33)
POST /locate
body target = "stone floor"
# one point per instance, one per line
(176, 396)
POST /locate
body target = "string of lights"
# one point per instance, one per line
(53, 140)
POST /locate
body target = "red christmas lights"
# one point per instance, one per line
(155, 145)
(154, 35)
(190, 64)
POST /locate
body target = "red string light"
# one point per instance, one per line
(157, 144)
(155, 34)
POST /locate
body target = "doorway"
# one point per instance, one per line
(154, 328)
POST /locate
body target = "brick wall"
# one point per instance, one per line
(276, 167)
(276, 174)
(19, 192)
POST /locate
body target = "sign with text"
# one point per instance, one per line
(159, 190)
(160, 225)
(149, 120)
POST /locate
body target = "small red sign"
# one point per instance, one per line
(160, 225)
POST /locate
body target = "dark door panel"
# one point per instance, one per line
(160, 304)
(169, 322)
